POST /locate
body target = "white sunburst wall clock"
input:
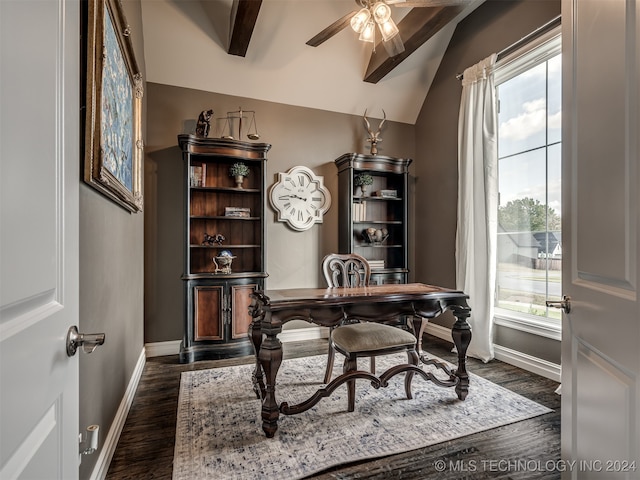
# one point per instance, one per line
(300, 198)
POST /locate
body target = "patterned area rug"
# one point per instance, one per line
(219, 431)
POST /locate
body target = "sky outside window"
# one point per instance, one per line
(523, 121)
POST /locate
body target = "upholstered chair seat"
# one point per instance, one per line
(364, 338)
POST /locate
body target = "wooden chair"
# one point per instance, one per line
(362, 339)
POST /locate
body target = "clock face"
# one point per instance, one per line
(300, 198)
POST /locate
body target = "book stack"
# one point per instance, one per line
(237, 212)
(359, 212)
(376, 264)
(198, 175)
(386, 193)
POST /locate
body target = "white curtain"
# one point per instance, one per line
(476, 233)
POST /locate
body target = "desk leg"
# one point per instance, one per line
(419, 326)
(461, 333)
(255, 335)
(270, 359)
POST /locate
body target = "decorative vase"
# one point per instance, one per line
(363, 190)
(239, 180)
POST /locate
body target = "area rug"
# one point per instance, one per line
(219, 430)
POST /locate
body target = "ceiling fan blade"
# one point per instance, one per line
(426, 3)
(331, 30)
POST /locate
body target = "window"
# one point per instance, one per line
(529, 250)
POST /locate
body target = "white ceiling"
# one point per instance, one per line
(185, 44)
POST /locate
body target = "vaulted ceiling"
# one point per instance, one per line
(263, 49)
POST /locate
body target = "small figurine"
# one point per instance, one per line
(374, 138)
(204, 123)
(216, 239)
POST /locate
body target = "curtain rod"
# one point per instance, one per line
(550, 25)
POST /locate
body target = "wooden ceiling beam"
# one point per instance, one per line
(244, 15)
(418, 26)
(333, 29)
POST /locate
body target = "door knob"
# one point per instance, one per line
(88, 341)
(564, 304)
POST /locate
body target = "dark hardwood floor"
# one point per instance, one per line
(525, 450)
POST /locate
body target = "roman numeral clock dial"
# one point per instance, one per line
(300, 198)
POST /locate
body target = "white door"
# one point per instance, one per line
(39, 181)
(601, 218)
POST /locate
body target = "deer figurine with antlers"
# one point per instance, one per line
(374, 138)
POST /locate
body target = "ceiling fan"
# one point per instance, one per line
(377, 12)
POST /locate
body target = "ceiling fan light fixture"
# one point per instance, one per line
(359, 20)
(388, 29)
(381, 12)
(369, 32)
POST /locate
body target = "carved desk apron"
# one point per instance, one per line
(329, 307)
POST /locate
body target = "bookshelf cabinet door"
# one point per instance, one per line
(240, 301)
(208, 313)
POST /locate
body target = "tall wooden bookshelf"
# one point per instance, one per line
(383, 209)
(216, 301)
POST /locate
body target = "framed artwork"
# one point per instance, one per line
(113, 133)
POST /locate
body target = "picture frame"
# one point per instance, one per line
(114, 90)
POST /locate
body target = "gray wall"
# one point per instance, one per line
(300, 136)
(492, 27)
(111, 292)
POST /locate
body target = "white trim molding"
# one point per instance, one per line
(160, 349)
(111, 441)
(301, 334)
(527, 362)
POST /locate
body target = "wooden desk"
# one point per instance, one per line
(328, 307)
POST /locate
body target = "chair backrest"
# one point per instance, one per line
(346, 270)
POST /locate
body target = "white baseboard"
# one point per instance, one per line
(439, 331)
(159, 349)
(301, 334)
(527, 362)
(111, 441)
